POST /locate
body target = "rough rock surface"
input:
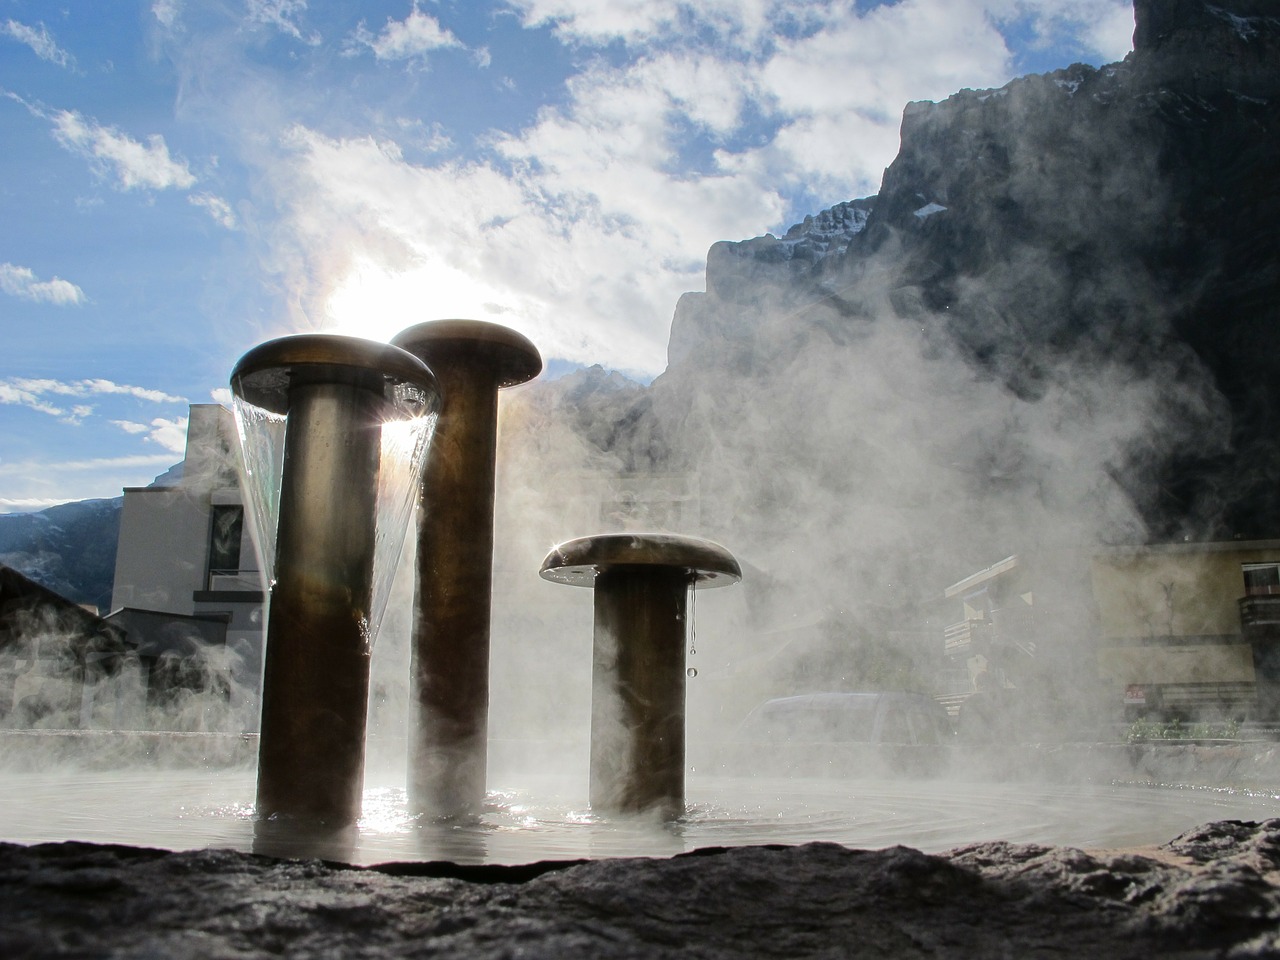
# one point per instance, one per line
(1212, 892)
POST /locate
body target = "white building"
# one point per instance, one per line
(185, 550)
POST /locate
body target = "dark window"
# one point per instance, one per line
(224, 538)
(1261, 579)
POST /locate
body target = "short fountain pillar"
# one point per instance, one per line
(334, 393)
(642, 584)
(450, 653)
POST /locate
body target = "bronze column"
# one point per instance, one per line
(637, 690)
(315, 686)
(641, 586)
(450, 653)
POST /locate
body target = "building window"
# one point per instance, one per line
(225, 533)
(1261, 579)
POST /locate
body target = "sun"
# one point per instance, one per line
(375, 302)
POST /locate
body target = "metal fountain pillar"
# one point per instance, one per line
(335, 393)
(642, 584)
(450, 655)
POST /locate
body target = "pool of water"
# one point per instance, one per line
(549, 819)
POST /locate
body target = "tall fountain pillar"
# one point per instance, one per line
(642, 584)
(450, 658)
(334, 394)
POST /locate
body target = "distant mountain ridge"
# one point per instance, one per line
(69, 548)
(827, 234)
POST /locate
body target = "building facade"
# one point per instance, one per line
(1191, 629)
(1185, 631)
(187, 580)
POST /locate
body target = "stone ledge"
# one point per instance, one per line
(1214, 891)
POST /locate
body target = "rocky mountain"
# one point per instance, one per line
(69, 548)
(1116, 223)
(1051, 328)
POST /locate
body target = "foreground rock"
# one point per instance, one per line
(1212, 892)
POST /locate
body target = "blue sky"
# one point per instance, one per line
(183, 179)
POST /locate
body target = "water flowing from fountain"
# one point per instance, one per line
(406, 436)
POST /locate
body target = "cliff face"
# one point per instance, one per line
(1086, 241)
(1128, 213)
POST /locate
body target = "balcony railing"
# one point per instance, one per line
(958, 638)
(235, 580)
(1260, 616)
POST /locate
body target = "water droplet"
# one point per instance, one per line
(692, 672)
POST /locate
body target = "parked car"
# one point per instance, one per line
(841, 734)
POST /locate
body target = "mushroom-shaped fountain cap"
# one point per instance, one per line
(511, 356)
(579, 562)
(263, 375)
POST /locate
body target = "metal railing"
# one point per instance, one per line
(1260, 611)
(235, 580)
(959, 637)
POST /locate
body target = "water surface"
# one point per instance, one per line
(549, 819)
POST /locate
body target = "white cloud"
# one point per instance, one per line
(135, 164)
(1110, 33)
(429, 138)
(29, 504)
(838, 93)
(1104, 26)
(221, 395)
(594, 220)
(16, 395)
(36, 484)
(32, 484)
(1095, 27)
(167, 11)
(281, 14)
(33, 393)
(708, 91)
(216, 207)
(39, 40)
(587, 254)
(11, 468)
(856, 64)
(636, 21)
(22, 282)
(141, 393)
(411, 38)
(585, 226)
(170, 434)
